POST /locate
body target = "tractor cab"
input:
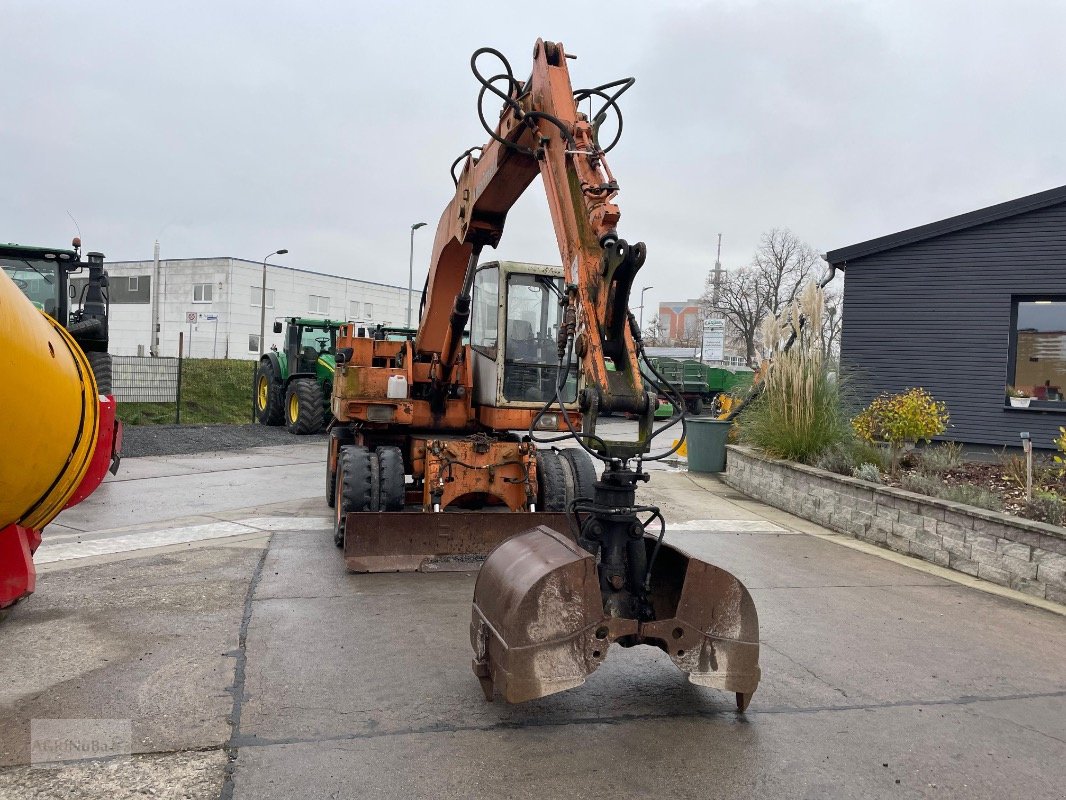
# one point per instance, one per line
(41, 274)
(79, 304)
(310, 345)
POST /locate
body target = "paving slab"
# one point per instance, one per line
(878, 752)
(194, 775)
(879, 680)
(150, 640)
(154, 499)
(362, 683)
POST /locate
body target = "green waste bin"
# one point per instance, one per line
(706, 444)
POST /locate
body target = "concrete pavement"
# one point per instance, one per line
(253, 666)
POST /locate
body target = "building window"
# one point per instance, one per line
(257, 295)
(201, 292)
(253, 342)
(353, 309)
(369, 309)
(318, 304)
(1038, 349)
(135, 283)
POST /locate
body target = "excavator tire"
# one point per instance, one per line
(269, 396)
(342, 437)
(356, 468)
(391, 475)
(303, 407)
(553, 492)
(583, 470)
(101, 366)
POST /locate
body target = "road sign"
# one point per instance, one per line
(190, 316)
(211, 317)
(713, 339)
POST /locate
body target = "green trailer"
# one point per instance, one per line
(697, 382)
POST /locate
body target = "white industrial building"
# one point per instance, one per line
(215, 303)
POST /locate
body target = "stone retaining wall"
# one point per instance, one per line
(1022, 554)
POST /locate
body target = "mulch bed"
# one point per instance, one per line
(997, 479)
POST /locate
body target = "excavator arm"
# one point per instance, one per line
(541, 131)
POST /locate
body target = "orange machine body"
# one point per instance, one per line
(452, 448)
(540, 132)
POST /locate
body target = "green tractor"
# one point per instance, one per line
(293, 386)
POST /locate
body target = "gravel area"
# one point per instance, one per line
(170, 440)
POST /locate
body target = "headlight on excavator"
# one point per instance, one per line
(548, 422)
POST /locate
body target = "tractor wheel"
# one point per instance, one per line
(695, 406)
(101, 366)
(393, 491)
(268, 396)
(582, 470)
(555, 486)
(338, 437)
(356, 468)
(303, 407)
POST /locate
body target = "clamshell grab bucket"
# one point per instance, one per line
(538, 624)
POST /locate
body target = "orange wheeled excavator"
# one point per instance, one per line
(449, 438)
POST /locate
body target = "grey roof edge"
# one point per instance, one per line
(259, 264)
(1033, 202)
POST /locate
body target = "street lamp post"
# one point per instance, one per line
(641, 324)
(263, 299)
(411, 270)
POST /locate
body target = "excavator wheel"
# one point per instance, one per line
(563, 475)
(583, 470)
(304, 407)
(338, 438)
(553, 492)
(391, 478)
(268, 396)
(357, 470)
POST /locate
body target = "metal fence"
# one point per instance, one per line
(143, 379)
(197, 391)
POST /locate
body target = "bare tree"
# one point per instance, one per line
(779, 269)
(831, 324)
(655, 332)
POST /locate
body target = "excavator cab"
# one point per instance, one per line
(515, 317)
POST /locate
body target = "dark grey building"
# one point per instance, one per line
(965, 307)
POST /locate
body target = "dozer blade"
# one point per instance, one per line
(412, 541)
(538, 624)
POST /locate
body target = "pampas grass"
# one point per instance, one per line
(800, 413)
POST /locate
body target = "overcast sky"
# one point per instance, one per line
(231, 128)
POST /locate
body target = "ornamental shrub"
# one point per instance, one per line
(1060, 457)
(940, 459)
(908, 417)
(867, 472)
(799, 415)
(1046, 507)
